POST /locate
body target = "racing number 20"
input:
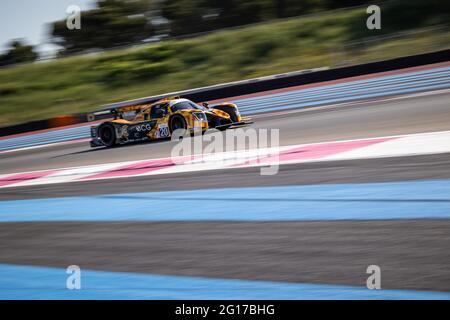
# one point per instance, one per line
(163, 131)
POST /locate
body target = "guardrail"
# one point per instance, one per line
(293, 79)
(242, 87)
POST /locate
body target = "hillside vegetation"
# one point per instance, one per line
(84, 83)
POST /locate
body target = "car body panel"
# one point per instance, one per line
(153, 121)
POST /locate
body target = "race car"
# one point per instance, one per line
(160, 119)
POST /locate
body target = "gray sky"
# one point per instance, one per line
(29, 18)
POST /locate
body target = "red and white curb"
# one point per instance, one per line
(392, 146)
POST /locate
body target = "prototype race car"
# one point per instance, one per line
(160, 119)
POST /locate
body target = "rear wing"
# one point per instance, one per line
(127, 112)
(130, 111)
(126, 109)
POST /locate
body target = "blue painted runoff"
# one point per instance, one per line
(426, 199)
(31, 282)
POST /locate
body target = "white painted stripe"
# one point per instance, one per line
(46, 145)
(406, 145)
(69, 175)
(428, 143)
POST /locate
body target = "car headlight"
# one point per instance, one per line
(200, 116)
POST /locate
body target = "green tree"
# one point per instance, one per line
(112, 23)
(191, 16)
(18, 52)
(186, 16)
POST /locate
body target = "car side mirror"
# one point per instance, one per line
(205, 104)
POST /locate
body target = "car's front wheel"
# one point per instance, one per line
(177, 122)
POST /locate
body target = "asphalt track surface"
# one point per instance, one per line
(414, 254)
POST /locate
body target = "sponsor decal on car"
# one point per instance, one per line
(143, 127)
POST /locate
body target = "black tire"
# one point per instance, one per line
(177, 122)
(107, 134)
(230, 110)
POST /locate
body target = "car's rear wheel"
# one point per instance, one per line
(107, 134)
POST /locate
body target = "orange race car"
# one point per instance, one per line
(160, 119)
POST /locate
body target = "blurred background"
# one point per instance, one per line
(132, 48)
(364, 175)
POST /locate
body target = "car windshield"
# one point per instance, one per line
(183, 105)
